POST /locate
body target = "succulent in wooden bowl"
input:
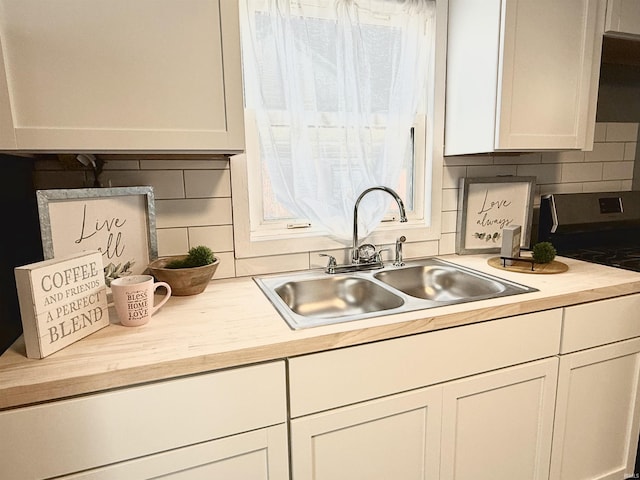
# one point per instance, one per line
(186, 274)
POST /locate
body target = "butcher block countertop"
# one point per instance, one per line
(232, 324)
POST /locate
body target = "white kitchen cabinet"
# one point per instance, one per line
(257, 455)
(395, 437)
(227, 421)
(522, 75)
(105, 75)
(374, 411)
(597, 416)
(623, 17)
(498, 426)
(597, 413)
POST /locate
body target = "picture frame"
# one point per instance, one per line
(119, 222)
(487, 205)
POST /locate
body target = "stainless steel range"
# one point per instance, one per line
(596, 227)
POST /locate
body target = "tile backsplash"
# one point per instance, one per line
(193, 193)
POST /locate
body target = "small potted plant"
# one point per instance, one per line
(186, 274)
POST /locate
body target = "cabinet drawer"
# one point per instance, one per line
(329, 379)
(86, 432)
(598, 323)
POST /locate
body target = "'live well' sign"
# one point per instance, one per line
(61, 301)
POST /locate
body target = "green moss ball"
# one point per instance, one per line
(544, 252)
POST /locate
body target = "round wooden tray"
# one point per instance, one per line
(525, 267)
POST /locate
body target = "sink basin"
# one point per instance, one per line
(313, 298)
(331, 297)
(440, 283)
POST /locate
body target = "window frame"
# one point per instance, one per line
(277, 241)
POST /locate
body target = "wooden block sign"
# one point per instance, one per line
(61, 301)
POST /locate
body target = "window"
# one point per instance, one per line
(314, 106)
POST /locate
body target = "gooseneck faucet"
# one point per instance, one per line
(355, 256)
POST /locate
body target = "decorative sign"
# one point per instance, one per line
(61, 301)
(119, 222)
(487, 206)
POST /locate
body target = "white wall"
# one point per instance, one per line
(193, 193)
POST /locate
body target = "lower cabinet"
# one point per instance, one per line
(494, 426)
(498, 426)
(597, 415)
(228, 424)
(257, 455)
(396, 437)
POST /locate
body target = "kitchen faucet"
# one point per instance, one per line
(365, 257)
(357, 256)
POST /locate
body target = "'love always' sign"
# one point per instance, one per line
(61, 301)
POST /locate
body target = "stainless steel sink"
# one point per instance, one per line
(315, 298)
(336, 296)
(441, 283)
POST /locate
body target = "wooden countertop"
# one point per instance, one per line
(232, 323)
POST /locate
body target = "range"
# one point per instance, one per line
(601, 228)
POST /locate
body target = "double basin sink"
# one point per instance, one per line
(316, 298)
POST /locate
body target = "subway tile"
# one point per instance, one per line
(626, 185)
(560, 188)
(568, 156)
(581, 172)
(605, 186)
(193, 212)
(449, 220)
(451, 176)
(226, 267)
(450, 199)
(617, 171)
(186, 164)
(207, 183)
(419, 249)
(115, 164)
(447, 244)
(172, 241)
(166, 184)
(511, 159)
(218, 238)
(622, 132)
(600, 133)
(630, 151)
(272, 264)
(490, 170)
(605, 152)
(464, 160)
(545, 173)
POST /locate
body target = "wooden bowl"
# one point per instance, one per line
(183, 281)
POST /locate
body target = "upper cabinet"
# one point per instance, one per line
(522, 75)
(105, 75)
(623, 17)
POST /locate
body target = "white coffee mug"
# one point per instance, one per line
(133, 298)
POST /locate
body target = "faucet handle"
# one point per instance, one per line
(332, 263)
(379, 254)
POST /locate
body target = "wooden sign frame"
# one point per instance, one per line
(119, 222)
(487, 205)
(61, 301)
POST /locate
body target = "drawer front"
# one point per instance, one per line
(86, 432)
(340, 377)
(598, 323)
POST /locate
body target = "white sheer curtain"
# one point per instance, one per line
(335, 88)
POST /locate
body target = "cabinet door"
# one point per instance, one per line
(623, 16)
(549, 51)
(498, 426)
(257, 455)
(596, 426)
(394, 437)
(121, 75)
(522, 75)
